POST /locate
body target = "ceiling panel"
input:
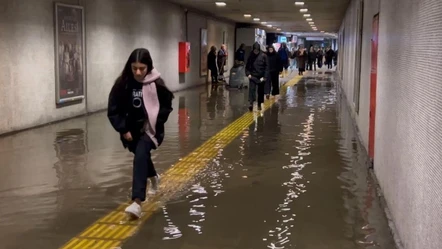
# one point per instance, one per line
(326, 14)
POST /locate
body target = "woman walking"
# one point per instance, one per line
(139, 106)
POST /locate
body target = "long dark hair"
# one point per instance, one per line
(140, 55)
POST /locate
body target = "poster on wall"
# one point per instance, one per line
(204, 52)
(70, 74)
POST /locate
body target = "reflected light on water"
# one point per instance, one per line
(279, 237)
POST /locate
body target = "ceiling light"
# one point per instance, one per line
(269, 26)
(303, 10)
(322, 31)
(278, 29)
(256, 19)
(264, 23)
(220, 4)
(247, 15)
(307, 15)
(309, 19)
(311, 23)
(299, 3)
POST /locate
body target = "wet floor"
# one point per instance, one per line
(296, 178)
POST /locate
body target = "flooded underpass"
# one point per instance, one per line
(295, 178)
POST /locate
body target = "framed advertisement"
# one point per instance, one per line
(204, 52)
(70, 73)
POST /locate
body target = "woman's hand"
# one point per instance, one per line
(128, 136)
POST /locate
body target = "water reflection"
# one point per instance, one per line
(280, 235)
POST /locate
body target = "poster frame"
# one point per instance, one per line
(58, 99)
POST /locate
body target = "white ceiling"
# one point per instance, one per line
(327, 15)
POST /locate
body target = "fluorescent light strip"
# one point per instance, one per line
(256, 19)
(247, 15)
(299, 3)
(303, 10)
(220, 4)
(307, 15)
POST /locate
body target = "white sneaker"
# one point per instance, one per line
(134, 209)
(154, 183)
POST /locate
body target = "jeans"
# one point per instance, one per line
(253, 86)
(143, 167)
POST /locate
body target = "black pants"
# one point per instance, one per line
(311, 64)
(143, 167)
(214, 75)
(329, 64)
(252, 92)
(274, 77)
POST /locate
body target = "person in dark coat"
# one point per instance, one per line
(275, 68)
(240, 55)
(212, 66)
(320, 57)
(138, 107)
(301, 56)
(257, 69)
(312, 56)
(329, 54)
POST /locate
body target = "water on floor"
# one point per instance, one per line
(296, 178)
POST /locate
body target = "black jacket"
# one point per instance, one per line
(120, 102)
(275, 63)
(211, 61)
(258, 67)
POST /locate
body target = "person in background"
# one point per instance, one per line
(284, 55)
(212, 66)
(275, 68)
(293, 59)
(312, 56)
(301, 60)
(138, 107)
(257, 68)
(329, 54)
(320, 57)
(240, 55)
(335, 58)
(221, 60)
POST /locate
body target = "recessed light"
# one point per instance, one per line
(299, 3)
(309, 19)
(303, 10)
(307, 15)
(247, 15)
(256, 19)
(220, 4)
(264, 23)
(311, 23)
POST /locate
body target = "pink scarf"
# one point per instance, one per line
(151, 103)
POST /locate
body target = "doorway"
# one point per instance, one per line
(373, 85)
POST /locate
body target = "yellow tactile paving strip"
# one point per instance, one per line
(112, 230)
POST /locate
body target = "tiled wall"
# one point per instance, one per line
(408, 137)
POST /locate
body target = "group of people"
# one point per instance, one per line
(309, 59)
(216, 61)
